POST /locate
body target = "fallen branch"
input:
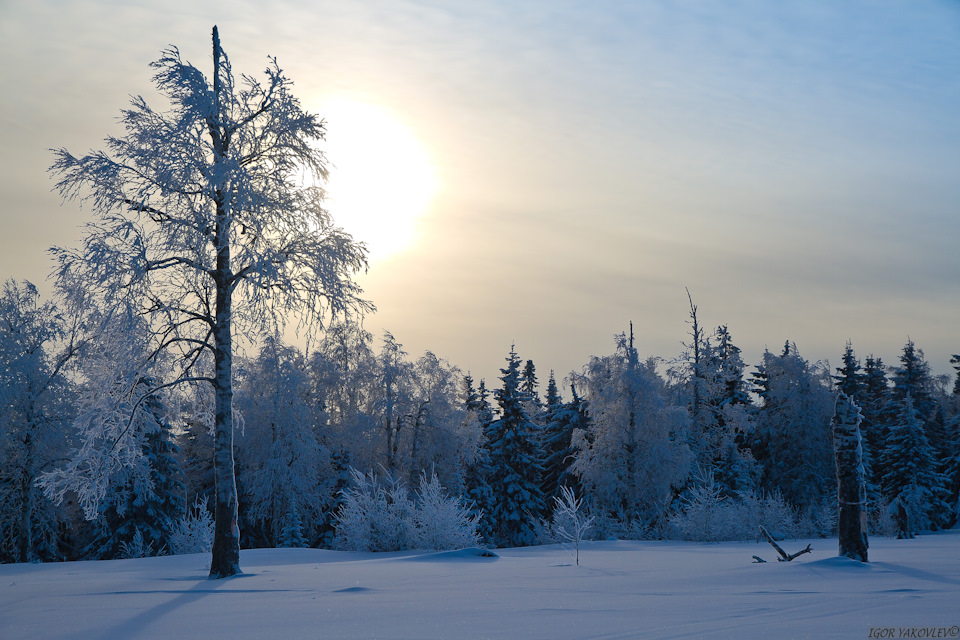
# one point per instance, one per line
(784, 556)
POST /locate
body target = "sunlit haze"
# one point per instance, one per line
(381, 180)
(542, 173)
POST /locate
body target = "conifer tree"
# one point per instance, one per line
(791, 438)
(873, 402)
(562, 420)
(478, 471)
(849, 379)
(149, 500)
(913, 378)
(515, 468)
(910, 478)
(735, 390)
(955, 361)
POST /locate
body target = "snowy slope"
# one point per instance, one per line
(621, 590)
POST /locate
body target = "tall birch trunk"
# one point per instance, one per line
(226, 534)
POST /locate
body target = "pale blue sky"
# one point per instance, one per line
(795, 164)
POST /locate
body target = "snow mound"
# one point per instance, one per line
(838, 562)
(462, 555)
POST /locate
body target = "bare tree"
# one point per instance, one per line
(208, 220)
(570, 523)
(851, 492)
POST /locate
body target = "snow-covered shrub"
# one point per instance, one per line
(607, 526)
(771, 511)
(378, 515)
(707, 516)
(819, 520)
(291, 535)
(137, 548)
(194, 531)
(880, 521)
(442, 521)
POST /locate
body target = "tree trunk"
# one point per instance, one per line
(226, 534)
(851, 519)
(26, 504)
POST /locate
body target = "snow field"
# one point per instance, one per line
(623, 589)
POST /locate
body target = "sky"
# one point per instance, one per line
(542, 173)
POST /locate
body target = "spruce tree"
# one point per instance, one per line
(735, 390)
(913, 378)
(515, 469)
(955, 361)
(910, 479)
(478, 473)
(150, 498)
(562, 419)
(849, 379)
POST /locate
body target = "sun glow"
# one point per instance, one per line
(381, 179)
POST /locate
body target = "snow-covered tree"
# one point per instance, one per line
(122, 472)
(561, 421)
(570, 523)
(514, 466)
(145, 499)
(284, 472)
(439, 440)
(194, 531)
(35, 413)
(849, 379)
(343, 373)
(791, 439)
(913, 378)
(910, 478)
(635, 456)
(442, 521)
(955, 361)
(202, 228)
(391, 395)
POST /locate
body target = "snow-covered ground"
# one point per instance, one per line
(621, 590)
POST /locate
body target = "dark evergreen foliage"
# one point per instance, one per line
(151, 500)
(910, 478)
(514, 469)
(562, 420)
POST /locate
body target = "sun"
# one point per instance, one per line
(381, 178)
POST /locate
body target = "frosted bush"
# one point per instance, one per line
(377, 514)
(773, 512)
(708, 516)
(136, 547)
(443, 522)
(194, 531)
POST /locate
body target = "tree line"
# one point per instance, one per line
(99, 459)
